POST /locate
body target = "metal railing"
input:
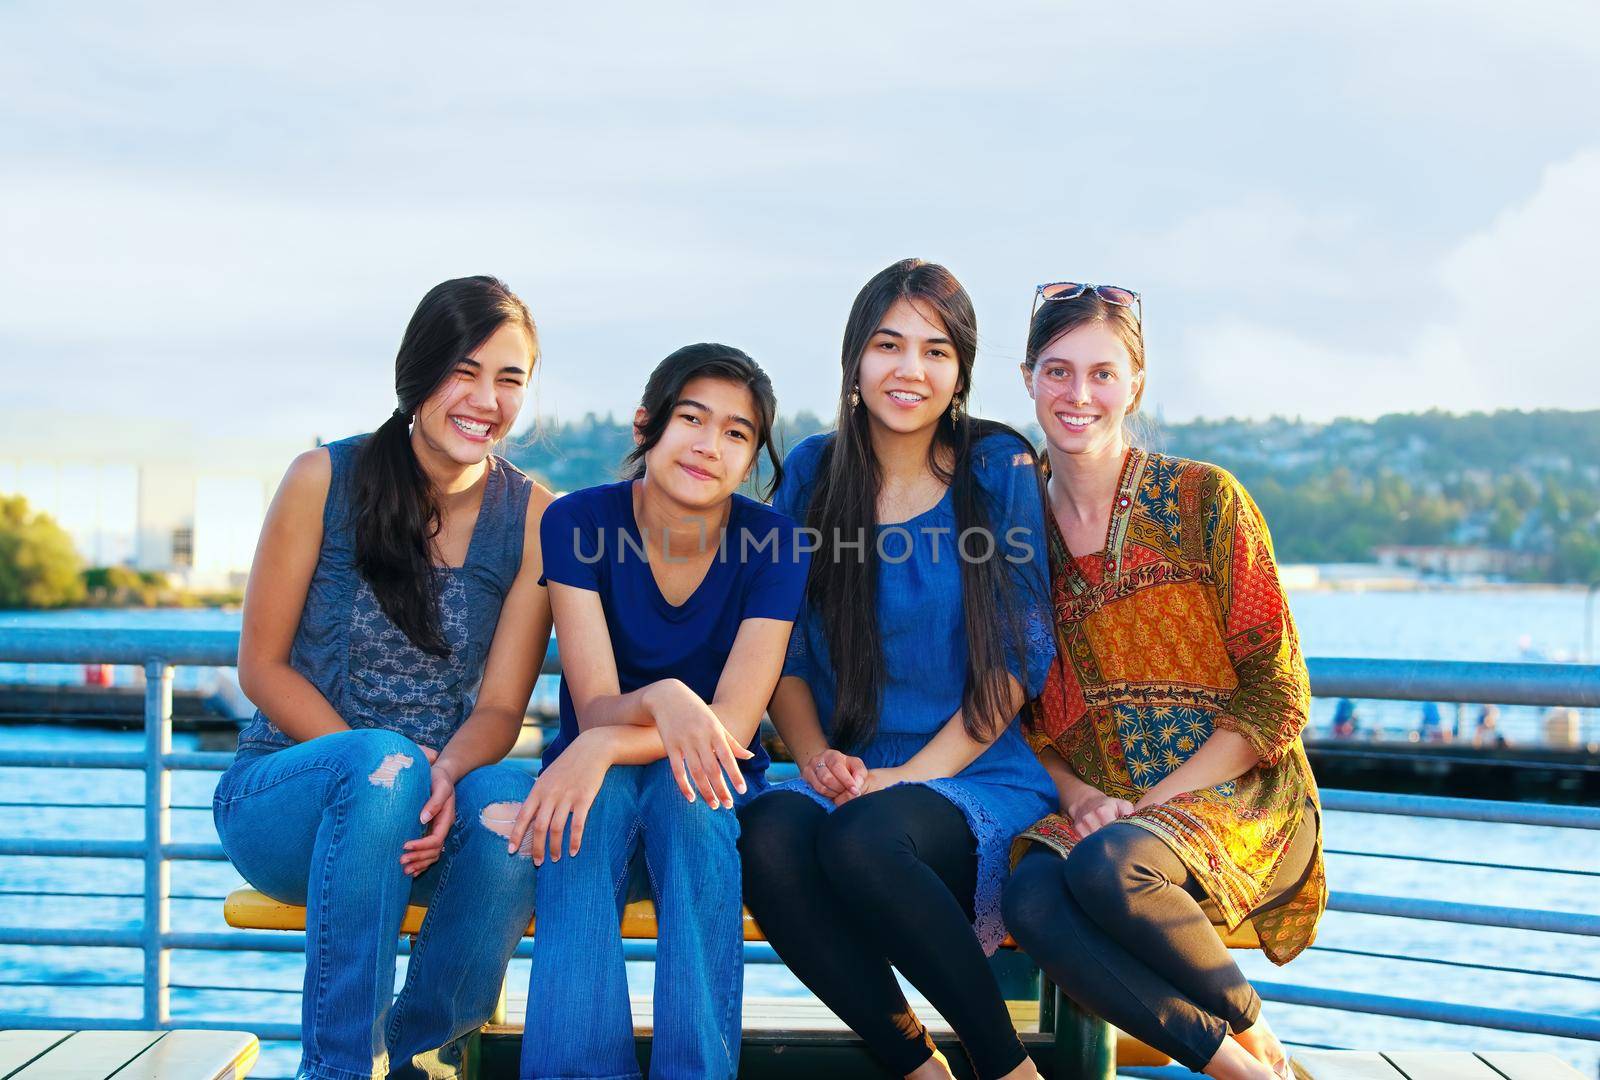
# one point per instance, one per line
(159, 651)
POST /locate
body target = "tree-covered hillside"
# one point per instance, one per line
(1525, 482)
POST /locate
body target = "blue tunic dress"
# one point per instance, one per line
(923, 634)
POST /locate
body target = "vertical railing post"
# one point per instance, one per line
(157, 834)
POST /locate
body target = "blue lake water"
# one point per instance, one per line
(1475, 625)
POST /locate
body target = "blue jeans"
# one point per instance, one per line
(579, 1023)
(322, 824)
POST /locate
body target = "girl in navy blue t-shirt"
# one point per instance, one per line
(673, 598)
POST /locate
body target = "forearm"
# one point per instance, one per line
(794, 714)
(1225, 756)
(742, 727)
(627, 745)
(1070, 787)
(951, 749)
(487, 737)
(288, 699)
(618, 710)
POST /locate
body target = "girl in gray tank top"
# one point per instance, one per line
(394, 625)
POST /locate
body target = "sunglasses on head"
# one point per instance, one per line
(1071, 290)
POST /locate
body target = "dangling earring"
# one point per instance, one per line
(955, 412)
(855, 396)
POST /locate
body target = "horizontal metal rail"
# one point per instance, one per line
(1507, 918)
(1576, 685)
(1493, 811)
(266, 1032)
(1475, 682)
(140, 645)
(1438, 1012)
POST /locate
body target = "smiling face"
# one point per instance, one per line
(708, 446)
(478, 401)
(909, 371)
(1083, 386)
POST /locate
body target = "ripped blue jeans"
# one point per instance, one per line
(321, 823)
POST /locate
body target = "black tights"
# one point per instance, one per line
(887, 878)
(1118, 926)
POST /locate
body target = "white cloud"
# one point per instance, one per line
(1527, 292)
(1517, 324)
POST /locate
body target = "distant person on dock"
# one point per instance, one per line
(1430, 725)
(1345, 721)
(1170, 722)
(395, 571)
(673, 598)
(1487, 730)
(925, 629)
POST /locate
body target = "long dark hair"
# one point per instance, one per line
(844, 505)
(396, 513)
(704, 361)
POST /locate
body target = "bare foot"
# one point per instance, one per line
(1264, 1046)
(1234, 1062)
(1026, 1071)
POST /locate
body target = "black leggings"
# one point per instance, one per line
(887, 878)
(1118, 926)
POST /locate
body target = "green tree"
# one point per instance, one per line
(1577, 557)
(123, 586)
(39, 568)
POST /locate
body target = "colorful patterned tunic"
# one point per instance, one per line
(1179, 627)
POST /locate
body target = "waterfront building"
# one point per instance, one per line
(144, 495)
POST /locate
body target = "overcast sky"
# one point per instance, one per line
(218, 220)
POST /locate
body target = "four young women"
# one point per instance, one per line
(949, 676)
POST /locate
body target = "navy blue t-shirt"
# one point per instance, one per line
(591, 540)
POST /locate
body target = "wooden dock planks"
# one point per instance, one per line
(1342, 1065)
(126, 1055)
(89, 1055)
(1517, 1065)
(202, 1055)
(18, 1048)
(1439, 1065)
(1429, 1065)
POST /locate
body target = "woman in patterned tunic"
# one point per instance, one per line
(926, 627)
(393, 627)
(1170, 720)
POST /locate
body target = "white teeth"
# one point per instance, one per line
(901, 395)
(1076, 421)
(470, 427)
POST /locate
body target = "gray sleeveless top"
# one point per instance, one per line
(365, 665)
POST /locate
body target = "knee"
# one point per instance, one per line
(695, 825)
(1032, 900)
(488, 801)
(858, 845)
(1101, 870)
(493, 791)
(385, 768)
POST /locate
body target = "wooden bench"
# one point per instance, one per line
(1064, 1041)
(1429, 1065)
(129, 1055)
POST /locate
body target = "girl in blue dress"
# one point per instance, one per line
(926, 627)
(673, 599)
